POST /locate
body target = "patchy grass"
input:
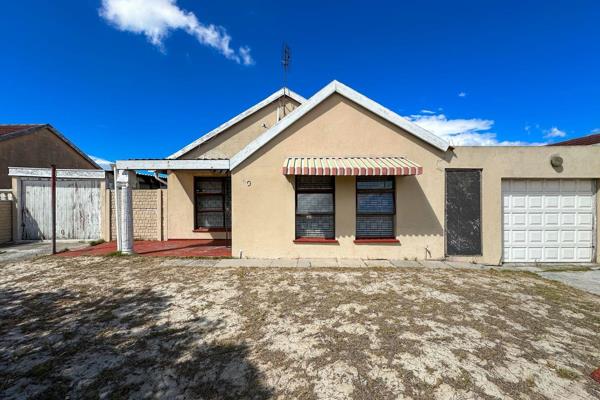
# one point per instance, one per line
(566, 373)
(121, 327)
(568, 269)
(97, 242)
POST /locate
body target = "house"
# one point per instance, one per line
(38, 146)
(589, 140)
(339, 175)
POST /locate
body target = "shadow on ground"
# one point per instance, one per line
(64, 344)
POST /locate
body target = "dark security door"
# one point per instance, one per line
(463, 212)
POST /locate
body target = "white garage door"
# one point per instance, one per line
(550, 220)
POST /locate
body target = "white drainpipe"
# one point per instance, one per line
(117, 207)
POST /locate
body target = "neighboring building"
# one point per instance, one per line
(590, 140)
(37, 146)
(144, 179)
(339, 175)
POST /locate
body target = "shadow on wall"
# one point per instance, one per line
(414, 214)
(63, 344)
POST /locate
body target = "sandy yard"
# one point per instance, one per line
(132, 327)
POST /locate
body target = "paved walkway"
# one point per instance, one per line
(175, 248)
(584, 280)
(25, 250)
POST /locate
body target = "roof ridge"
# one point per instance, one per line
(351, 94)
(284, 91)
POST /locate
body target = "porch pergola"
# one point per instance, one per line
(124, 179)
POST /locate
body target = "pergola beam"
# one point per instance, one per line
(165, 164)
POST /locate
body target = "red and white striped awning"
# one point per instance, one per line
(355, 166)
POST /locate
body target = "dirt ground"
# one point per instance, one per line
(132, 327)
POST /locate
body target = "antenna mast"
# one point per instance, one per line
(286, 59)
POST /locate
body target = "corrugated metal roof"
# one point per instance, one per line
(356, 166)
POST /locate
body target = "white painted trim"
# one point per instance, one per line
(320, 96)
(60, 173)
(280, 93)
(173, 164)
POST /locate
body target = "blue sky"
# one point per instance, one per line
(143, 78)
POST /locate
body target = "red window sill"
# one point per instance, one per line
(375, 241)
(211, 230)
(315, 240)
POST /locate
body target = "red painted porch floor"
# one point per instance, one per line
(175, 248)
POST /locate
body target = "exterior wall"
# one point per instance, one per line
(232, 140)
(149, 218)
(181, 206)
(263, 199)
(39, 149)
(6, 223)
(521, 162)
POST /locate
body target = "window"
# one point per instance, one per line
(375, 208)
(212, 200)
(315, 209)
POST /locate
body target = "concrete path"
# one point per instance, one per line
(584, 280)
(26, 250)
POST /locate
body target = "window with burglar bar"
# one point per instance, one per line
(315, 207)
(212, 200)
(375, 207)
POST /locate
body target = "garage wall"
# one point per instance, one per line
(521, 162)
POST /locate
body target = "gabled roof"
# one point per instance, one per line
(8, 131)
(318, 98)
(275, 96)
(580, 141)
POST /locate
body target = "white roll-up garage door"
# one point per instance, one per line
(549, 220)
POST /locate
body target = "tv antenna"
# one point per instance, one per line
(286, 60)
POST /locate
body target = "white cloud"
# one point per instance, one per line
(156, 18)
(425, 111)
(462, 94)
(463, 132)
(555, 133)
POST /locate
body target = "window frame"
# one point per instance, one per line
(223, 209)
(297, 214)
(393, 213)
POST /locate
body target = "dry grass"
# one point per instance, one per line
(132, 327)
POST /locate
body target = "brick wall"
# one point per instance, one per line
(149, 214)
(5, 221)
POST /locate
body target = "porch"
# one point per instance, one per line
(173, 248)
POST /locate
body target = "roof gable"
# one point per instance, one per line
(8, 132)
(255, 108)
(356, 97)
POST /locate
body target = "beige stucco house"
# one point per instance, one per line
(339, 175)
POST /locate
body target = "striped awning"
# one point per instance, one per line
(356, 166)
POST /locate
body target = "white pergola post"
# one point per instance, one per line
(126, 179)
